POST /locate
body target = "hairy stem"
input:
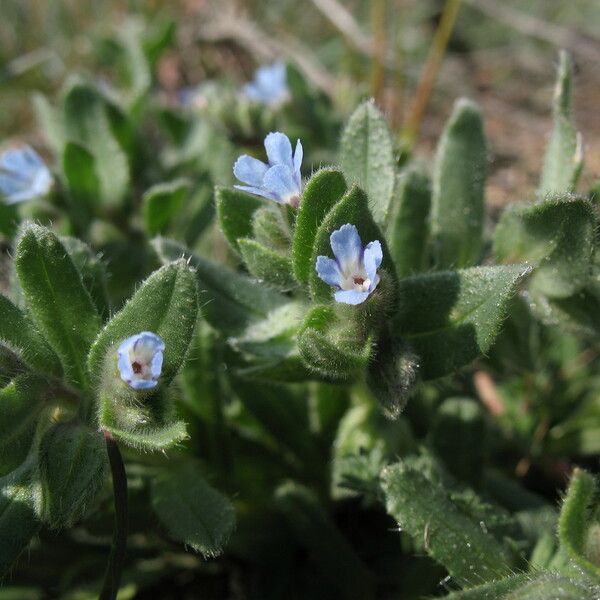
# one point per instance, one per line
(116, 559)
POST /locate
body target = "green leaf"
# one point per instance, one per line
(323, 190)
(192, 511)
(162, 202)
(86, 122)
(331, 350)
(564, 154)
(234, 211)
(282, 414)
(458, 437)
(330, 552)
(557, 235)
(451, 318)
(18, 520)
(353, 209)
(61, 306)
(79, 168)
(21, 403)
(266, 265)
(491, 591)
(72, 462)
(229, 300)
(271, 228)
(551, 585)
(367, 157)
(578, 525)
(21, 336)
(391, 375)
(408, 225)
(424, 510)
(92, 271)
(11, 365)
(165, 304)
(457, 202)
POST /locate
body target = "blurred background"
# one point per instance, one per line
(500, 53)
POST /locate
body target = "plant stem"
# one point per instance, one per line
(430, 71)
(116, 559)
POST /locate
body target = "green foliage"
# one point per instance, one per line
(20, 335)
(424, 510)
(193, 512)
(229, 300)
(56, 298)
(266, 265)
(18, 520)
(167, 305)
(367, 157)
(72, 461)
(453, 317)
(23, 401)
(578, 530)
(457, 202)
(162, 202)
(79, 168)
(352, 208)
(556, 235)
(458, 437)
(322, 192)
(564, 155)
(408, 227)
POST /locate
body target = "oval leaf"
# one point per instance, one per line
(192, 511)
(56, 298)
(457, 202)
(453, 317)
(367, 157)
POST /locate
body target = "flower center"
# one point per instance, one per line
(358, 280)
(136, 366)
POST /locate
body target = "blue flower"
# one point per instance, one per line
(280, 179)
(140, 360)
(354, 270)
(269, 85)
(23, 175)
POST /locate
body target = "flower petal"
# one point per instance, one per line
(351, 296)
(280, 181)
(298, 155)
(328, 270)
(279, 150)
(346, 246)
(257, 192)
(372, 258)
(250, 170)
(142, 384)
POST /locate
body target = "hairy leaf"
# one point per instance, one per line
(451, 318)
(229, 300)
(457, 202)
(72, 462)
(367, 157)
(557, 235)
(323, 190)
(266, 265)
(424, 510)
(162, 202)
(192, 511)
(56, 298)
(564, 154)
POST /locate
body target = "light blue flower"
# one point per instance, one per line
(23, 175)
(280, 179)
(269, 85)
(140, 360)
(354, 270)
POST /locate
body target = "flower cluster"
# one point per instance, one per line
(23, 175)
(269, 85)
(353, 272)
(280, 178)
(140, 360)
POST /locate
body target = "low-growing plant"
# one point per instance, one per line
(360, 371)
